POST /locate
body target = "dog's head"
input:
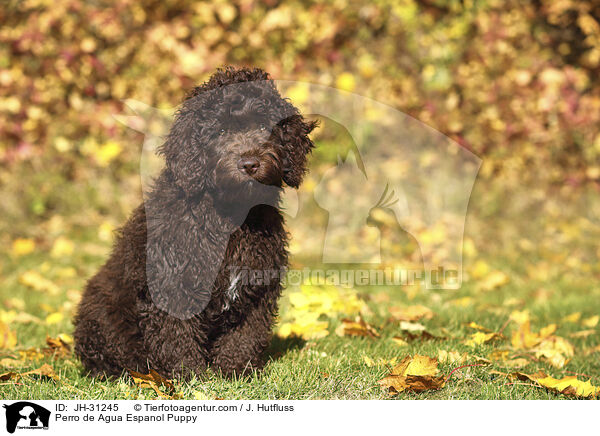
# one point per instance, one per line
(234, 135)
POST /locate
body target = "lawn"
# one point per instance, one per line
(545, 278)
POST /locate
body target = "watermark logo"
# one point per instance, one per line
(25, 415)
(396, 177)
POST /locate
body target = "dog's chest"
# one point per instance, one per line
(232, 292)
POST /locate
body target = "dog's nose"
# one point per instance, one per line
(249, 165)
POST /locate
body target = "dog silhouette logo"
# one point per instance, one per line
(26, 415)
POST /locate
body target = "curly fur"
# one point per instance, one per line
(206, 213)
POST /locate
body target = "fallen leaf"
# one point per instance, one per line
(570, 385)
(411, 313)
(31, 354)
(418, 373)
(399, 341)
(36, 281)
(476, 326)
(358, 327)
(8, 338)
(62, 247)
(583, 333)
(555, 350)
(22, 246)
(574, 317)
(58, 347)
(43, 371)
(54, 318)
(452, 356)
(591, 321)
(520, 316)
(8, 362)
(480, 338)
(154, 380)
(493, 280)
(592, 350)
(524, 338)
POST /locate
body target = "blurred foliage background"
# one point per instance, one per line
(516, 82)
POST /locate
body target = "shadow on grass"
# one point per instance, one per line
(280, 346)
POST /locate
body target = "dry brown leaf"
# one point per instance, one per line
(43, 371)
(356, 328)
(59, 347)
(416, 374)
(411, 313)
(154, 380)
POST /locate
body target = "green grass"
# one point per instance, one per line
(329, 368)
(561, 249)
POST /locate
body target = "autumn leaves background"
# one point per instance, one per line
(515, 82)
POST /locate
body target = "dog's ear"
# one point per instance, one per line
(185, 156)
(297, 144)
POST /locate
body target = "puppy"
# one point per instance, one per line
(177, 294)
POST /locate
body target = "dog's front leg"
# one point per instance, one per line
(240, 349)
(175, 347)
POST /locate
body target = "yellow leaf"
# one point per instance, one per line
(54, 318)
(591, 321)
(480, 269)
(524, 338)
(35, 280)
(30, 354)
(22, 246)
(399, 341)
(8, 338)
(574, 317)
(476, 326)
(555, 350)
(480, 338)
(462, 302)
(107, 152)
(345, 82)
(570, 385)
(520, 317)
(452, 356)
(493, 280)
(62, 247)
(583, 333)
